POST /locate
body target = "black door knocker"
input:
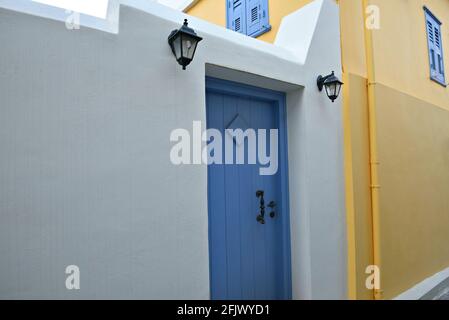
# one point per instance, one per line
(261, 217)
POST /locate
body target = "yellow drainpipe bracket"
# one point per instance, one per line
(378, 294)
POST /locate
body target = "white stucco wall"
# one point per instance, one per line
(85, 176)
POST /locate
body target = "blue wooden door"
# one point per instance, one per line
(249, 259)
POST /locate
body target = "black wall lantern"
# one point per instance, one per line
(332, 85)
(183, 43)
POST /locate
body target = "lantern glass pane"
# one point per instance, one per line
(177, 47)
(331, 89)
(188, 46)
(338, 89)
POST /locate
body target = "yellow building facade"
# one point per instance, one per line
(396, 137)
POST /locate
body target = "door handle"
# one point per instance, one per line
(261, 217)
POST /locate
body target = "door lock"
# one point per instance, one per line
(272, 205)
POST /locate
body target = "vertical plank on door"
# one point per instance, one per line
(217, 236)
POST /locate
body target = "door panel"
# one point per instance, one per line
(246, 257)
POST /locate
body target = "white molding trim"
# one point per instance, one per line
(424, 287)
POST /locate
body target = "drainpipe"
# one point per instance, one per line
(374, 160)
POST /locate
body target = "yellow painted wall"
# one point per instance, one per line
(413, 144)
(210, 10)
(412, 114)
(352, 37)
(400, 48)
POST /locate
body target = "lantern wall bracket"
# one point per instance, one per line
(321, 79)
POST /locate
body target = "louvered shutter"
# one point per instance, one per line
(236, 15)
(439, 54)
(257, 19)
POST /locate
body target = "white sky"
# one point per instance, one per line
(96, 8)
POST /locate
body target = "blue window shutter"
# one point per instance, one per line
(236, 19)
(257, 19)
(253, 16)
(431, 40)
(265, 19)
(434, 39)
(439, 54)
